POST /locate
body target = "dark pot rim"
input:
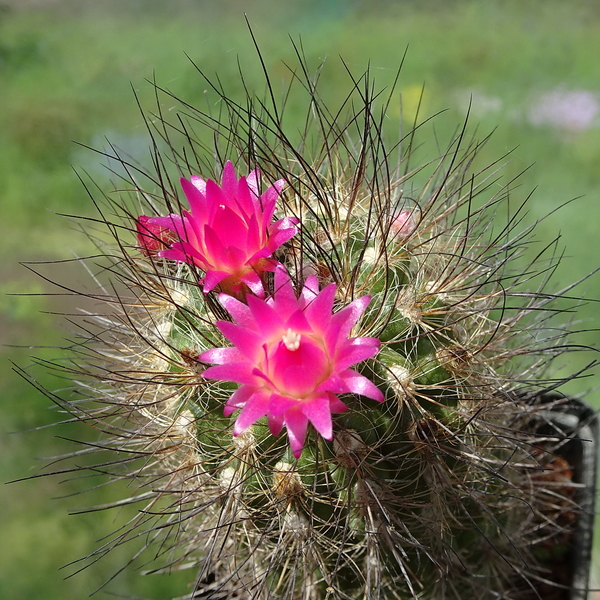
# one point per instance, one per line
(574, 423)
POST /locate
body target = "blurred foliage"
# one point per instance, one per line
(67, 69)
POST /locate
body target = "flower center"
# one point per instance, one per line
(294, 364)
(291, 340)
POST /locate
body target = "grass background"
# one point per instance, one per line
(67, 69)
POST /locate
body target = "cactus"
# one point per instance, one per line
(329, 386)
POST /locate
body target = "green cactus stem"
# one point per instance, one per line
(445, 489)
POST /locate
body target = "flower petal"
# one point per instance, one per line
(174, 254)
(195, 197)
(238, 372)
(298, 322)
(172, 222)
(221, 356)
(296, 424)
(334, 383)
(310, 291)
(245, 340)
(230, 228)
(257, 406)
(199, 184)
(275, 423)
(355, 351)
(284, 298)
(253, 181)
(213, 279)
(318, 412)
(246, 200)
(254, 282)
(336, 405)
(318, 311)
(268, 321)
(343, 321)
(269, 199)
(229, 182)
(238, 310)
(238, 399)
(279, 404)
(350, 314)
(283, 233)
(359, 384)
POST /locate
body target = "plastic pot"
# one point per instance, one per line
(571, 427)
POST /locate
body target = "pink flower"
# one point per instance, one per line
(292, 357)
(152, 238)
(229, 232)
(403, 224)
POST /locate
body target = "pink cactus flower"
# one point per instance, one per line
(229, 232)
(152, 238)
(292, 357)
(403, 224)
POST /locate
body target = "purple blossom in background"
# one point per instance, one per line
(571, 110)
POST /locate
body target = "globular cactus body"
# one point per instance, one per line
(416, 473)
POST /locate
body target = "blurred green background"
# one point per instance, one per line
(66, 72)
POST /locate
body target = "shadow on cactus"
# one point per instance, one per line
(322, 365)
